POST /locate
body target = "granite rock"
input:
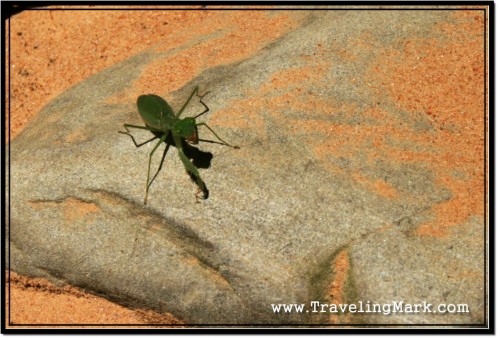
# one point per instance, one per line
(280, 207)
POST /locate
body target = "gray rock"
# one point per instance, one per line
(276, 213)
(396, 266)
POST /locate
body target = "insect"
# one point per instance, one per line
(170, 129)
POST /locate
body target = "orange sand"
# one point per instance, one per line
(37, 301)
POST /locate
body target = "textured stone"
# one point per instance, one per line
(315, 175)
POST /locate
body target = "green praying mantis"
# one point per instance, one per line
(169, 128)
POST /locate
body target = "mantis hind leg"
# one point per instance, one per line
(137, 145)
(160, 166)
(162, 139)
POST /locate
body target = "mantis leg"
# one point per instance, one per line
(161, 164)
(191, 169)
(200, 114)
(223, 142)
(210, 141)
(126, 126)
(205, 105)
(162, 139)
(187, 102)
(137, 145)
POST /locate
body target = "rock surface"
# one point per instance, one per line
(334, 157)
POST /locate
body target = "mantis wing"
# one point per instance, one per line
(155, 111)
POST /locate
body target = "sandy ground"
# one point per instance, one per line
(36, 301)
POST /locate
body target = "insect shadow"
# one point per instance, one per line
(200, 159)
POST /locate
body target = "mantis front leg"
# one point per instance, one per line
(191, 169)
